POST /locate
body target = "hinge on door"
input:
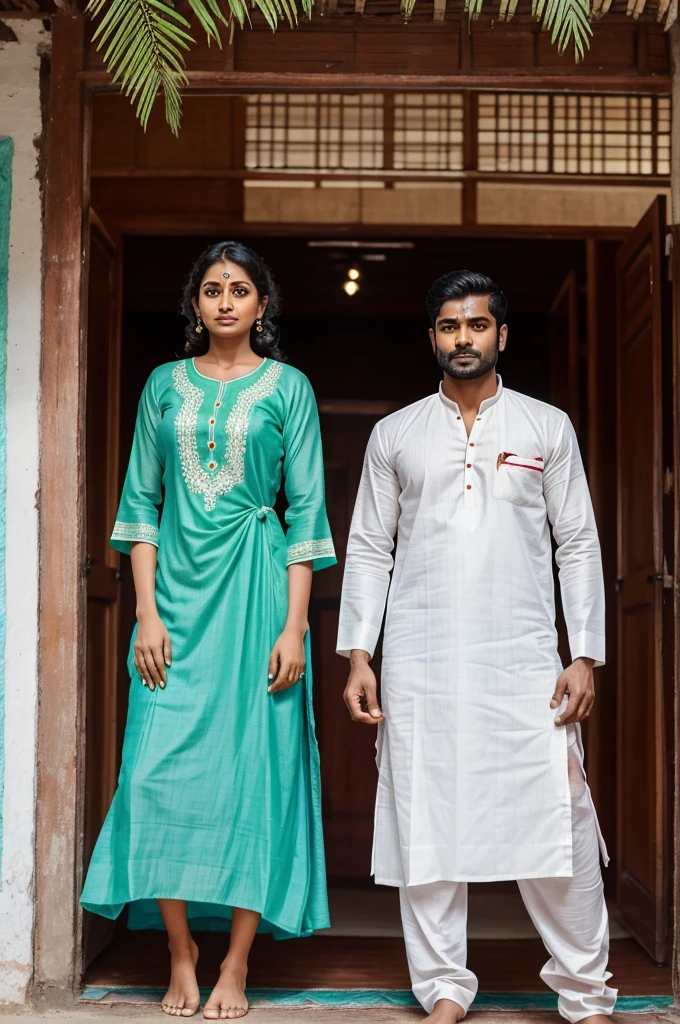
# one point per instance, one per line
(87, 566)
(668, 481)
(661, 577)
(664, 577)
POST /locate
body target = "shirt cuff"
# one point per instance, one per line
(321, 551)
(587, 645)
(126, 534)
(357, 636)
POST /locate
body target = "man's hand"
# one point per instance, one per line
(362, 690)
(577, 681)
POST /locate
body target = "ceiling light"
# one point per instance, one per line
(353, 274)
(351, 287)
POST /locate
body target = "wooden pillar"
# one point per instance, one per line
(62, 593)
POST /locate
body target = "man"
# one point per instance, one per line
(479, 750)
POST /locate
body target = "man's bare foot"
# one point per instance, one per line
(182, 998)
(228, 998)
(446, 1012)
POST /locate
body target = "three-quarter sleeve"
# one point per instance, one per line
(570, 512)
(308, 535)
(138, 512)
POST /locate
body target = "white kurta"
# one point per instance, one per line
(472, 769)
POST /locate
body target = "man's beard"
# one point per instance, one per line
(480, 368)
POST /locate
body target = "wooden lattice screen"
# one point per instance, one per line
(425, 133)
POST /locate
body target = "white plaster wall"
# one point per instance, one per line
(20, 118)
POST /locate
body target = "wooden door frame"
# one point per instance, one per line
(58, 845)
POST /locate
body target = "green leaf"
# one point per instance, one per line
(269, 11)
(473, 8)
(507, 10)
(568, 21)
(144, 42)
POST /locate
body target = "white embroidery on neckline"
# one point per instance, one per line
(199, 480)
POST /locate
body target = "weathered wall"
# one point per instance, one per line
(20, 119)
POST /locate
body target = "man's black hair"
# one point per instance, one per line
(459, 285)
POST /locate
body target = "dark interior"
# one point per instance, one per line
(373, 348)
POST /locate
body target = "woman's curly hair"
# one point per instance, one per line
(265, 342)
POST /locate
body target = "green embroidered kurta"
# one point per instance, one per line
(218, 799)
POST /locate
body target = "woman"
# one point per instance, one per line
(217, 812)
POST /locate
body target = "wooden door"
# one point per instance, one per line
(348, 771)
(567, 382)
(565, 332)
(102, 703)
(642, 729)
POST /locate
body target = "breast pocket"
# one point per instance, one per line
(519, 479)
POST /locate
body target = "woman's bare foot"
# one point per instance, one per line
(182, 998)
(228, 998)
(446, 1012)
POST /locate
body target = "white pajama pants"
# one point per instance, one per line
(569, 914)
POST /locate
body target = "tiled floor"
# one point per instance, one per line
(365, 950)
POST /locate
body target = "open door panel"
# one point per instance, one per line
(102, 698)
(643, 346)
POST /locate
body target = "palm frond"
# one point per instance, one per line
(473, 8)
(672, 15)
(507, 10)
(600, 8)
(568, 21)
(144, 41)
(208, 13)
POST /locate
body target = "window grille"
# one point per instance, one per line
(314, 132)
(543, 133)
(423, 133)
(428, 132)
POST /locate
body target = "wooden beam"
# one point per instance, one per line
(236, 82)
(62, 591)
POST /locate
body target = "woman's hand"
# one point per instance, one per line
(287, 661)
(152, 651)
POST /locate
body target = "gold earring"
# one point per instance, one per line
(199, 325)
(258, 325)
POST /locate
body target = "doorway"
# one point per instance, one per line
(367, 354)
